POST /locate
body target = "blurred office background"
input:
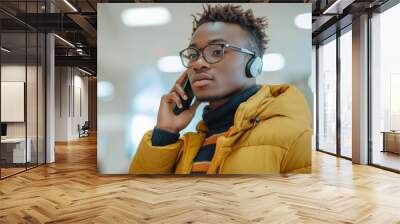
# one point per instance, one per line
(138, 62)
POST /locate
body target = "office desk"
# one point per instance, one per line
(13, 150)
(391, 141)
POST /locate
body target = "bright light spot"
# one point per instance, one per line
(170, 64)
(71, 6)
(147, 101)
(105, 89)
(141, 123)
(152, 16)
(273, 62)
(303, 21)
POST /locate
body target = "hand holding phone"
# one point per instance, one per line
(176, 109)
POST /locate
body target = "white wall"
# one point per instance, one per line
(61, 103)
(12, 101)
(70, 83)
(12, 73)
(16, 73)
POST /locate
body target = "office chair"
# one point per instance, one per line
(84, 130)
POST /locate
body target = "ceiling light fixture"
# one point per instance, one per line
(84, 71)
(5, 50)
(337, 7)
(70, 5)
(303, 21)
(151, 16)
(170, 64)
(65, 41)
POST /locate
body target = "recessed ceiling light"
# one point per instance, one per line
(303, 21)
(273, 62)
(152, 16)
(170, 64)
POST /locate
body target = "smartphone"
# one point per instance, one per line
(185, 103)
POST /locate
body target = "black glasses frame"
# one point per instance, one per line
(223, 45)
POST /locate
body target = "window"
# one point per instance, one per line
(346, 94)
(327, 97)
(385, 89)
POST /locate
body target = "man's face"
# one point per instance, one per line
(226, 76)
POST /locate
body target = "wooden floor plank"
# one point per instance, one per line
(70, 191)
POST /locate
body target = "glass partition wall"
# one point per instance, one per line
(22, 77)
(334, 92)
(334, 104)
(385, 90)
(327, 96)
(346, 93)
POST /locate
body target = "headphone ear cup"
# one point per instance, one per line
(254, 67)
(248, 68)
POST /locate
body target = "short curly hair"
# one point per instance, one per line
(229, 13)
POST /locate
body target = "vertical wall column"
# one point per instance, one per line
(50, 91)
(360, 89)
(50, 98)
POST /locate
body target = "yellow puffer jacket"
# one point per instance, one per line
(271, 134)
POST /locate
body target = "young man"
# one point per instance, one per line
(246, 128)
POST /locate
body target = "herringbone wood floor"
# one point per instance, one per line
(70, 191)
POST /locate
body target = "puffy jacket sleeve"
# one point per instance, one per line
(297, 158)
(151, 159)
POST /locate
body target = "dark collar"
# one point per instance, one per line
(221, 118)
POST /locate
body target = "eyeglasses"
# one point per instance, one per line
(212, 53)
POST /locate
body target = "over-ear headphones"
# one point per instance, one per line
(254, 67)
